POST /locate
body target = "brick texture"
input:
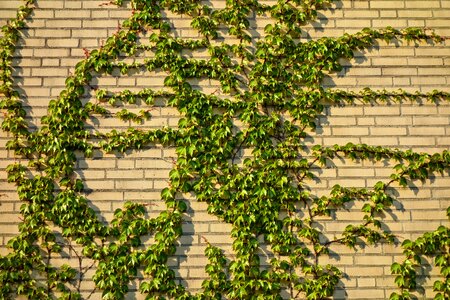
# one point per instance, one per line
(61, 28)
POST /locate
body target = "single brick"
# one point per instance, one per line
(375, 260)
(423, 4)
(415, 13)
(387, 4)
(63, 43)
(426, 131)
(63, 23)
(388, 61)
(388, 131)
(72, 14)
(49, 72)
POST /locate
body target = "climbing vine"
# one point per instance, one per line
(270, 97)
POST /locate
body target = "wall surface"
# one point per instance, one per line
(60, 30)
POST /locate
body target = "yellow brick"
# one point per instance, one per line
(330, 141)
(422, 4)
(50, 62)
(380, 141)
(388, 13)
(84, 33)
(386, 61)
(344, 217)
(399, 71)
(350, 131)
(92, 174)
(417, 141)
(427, 215)
(356, 71)
(220, 227)
(329, 32)
(436, 51)
(190, 250)
(126, 164)
(103, 163)
(388, 131)
(132, 184)
(164, 174)
(373, 260)
(440, 181)
(366, 121)
(69, 62)
(155, 164)
(72, 13)
(145, 196)
(431, 121)
(427, 131)
(356, 172)
(417, 61)
(415, 13)
(416, 23)
(194, 261)
(419, 110)
(194, 283)
(11, 4)
(366, 282)
(381, 110)
(124, 174)
(150, 81)
(368, 271)
(54, 23)
(368, 293)
(99, 24)
(119, 14)
(59, 52)
(441, 193)
(169, 153)
(160, 184)
(197, 273)
(381, 23)
(349, 23)
(39, 92)
(340, 81)
(51, 4)
(72, 4)
(435, 80)
(93, 4)
(359, 13)
(30, 82)
(8, 229)
(66, 43)
(197, 228)
(386, 4)
(434, 71)
(442, 13)
(345, 111)
(375, 81)
(338, 261)
(421, 227)
(99, 184)
(9, 218)
(218, 239)
(360, 4)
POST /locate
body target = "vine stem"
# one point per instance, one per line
(49, 251)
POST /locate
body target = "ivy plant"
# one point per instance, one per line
(271, 95)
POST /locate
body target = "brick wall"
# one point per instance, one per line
(60, 29)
